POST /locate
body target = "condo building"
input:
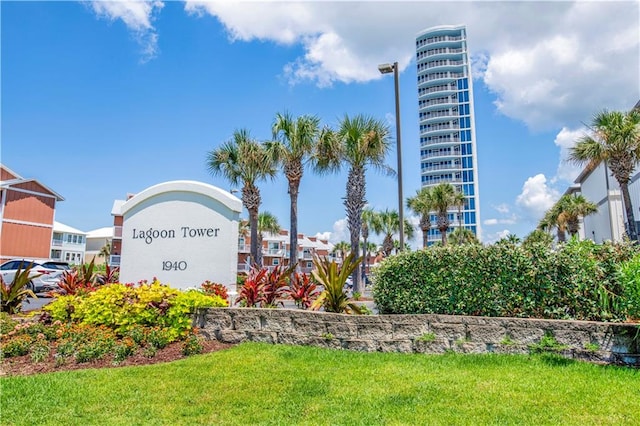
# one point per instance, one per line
(446, 120)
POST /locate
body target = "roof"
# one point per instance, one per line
(20, 180)
(106, 232)
(61, 227)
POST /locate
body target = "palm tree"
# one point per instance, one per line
(369, 216)
(538, 236)
(572, 207)
(616, 141)
(368, 249)
(388, 223)
(105, 251)
(267, 222)
(443, 197)
(243, 161)
(461, 236)
(294, 144)
(342, 248)
(554, 218)
(359, 142)
(421, 205)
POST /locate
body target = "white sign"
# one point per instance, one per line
(182, 233)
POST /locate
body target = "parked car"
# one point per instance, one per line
(45, 275)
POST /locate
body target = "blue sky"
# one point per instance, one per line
(104, 99)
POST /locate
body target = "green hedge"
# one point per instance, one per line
(577, 280)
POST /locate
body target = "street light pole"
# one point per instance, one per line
(386, 69)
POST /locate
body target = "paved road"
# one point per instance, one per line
(35, 303)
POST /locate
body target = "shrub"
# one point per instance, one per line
(40, 350)
(505, 280)
(303, 290)
(159, 337)
(191, 345)
(124, 349)
(332, 277)
(123, 307)
(630, 278)
(6, 323)
(215, 289)
(275, 286)
(13, 294)
(17, 345)
(251, 290)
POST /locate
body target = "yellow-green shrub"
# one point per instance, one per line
(122, 307)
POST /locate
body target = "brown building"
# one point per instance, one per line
(27, 210)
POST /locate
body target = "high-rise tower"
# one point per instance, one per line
(447, 128)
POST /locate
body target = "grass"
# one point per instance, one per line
(265, 384)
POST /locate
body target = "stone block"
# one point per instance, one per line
(293, 339)
(374, 330)
(276, 321)
(510, 349)
(526, 336)
(329, 343)
(262, 336)
(232, 336)
(577, 339)
(449, 331)
(486, 333)
(360, 345)
(246, 319)
(310, 326)
(439, 346)
(342, 329)
(469, 347)
(401, 345)
(409, 330)
(217, 319)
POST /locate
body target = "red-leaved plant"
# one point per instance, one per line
(215, 289)
(303, 290)
(275, 286)
(250, 292)
(72, 283)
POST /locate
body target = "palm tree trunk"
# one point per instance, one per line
(425, 225)
(633, 233)
(251, 200)
(562, 236)
(354, 204)
(443, 225)
(259, 253)
(387, 245)
(293, 231)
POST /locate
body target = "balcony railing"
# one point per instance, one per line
(244, 248)
(57, 243)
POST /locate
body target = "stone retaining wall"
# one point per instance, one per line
(584, 340)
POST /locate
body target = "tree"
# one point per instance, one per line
(554, 219)
(294, 145)
(574, 207)
(461, 236)
(615, 140)
(243, 161)
(443, 197)
(105, 251)
(342, 249)
(368, 219)
(538, 236)
(421, 204)
(388, 223)
(267, 222)
(359, 142)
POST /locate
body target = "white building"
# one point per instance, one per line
(96, 240)
(597, 185)
(446, 119)
(68, 244)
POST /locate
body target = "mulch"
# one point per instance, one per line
(24, 366)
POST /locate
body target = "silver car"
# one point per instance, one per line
(45, 275)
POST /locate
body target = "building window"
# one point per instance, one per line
(275, 262)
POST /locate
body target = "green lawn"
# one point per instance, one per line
(265, 384)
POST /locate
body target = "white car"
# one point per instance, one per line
(45, 275)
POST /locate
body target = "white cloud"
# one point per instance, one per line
(503, 221)
(536, 197)
(543, 60)
(502, 208)
(137, 16)
(340, 232)
(566, 139)
(496, 236)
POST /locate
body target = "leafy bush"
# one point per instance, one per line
(123, 307)
(630, 279)
(251, 290)
(13, 294)
(275, 286)
(506, 280)
(16, 346)
(303, 290)
(191, 345)
(215, 289)
(332, 277)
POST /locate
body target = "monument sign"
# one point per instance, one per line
(183, 233)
